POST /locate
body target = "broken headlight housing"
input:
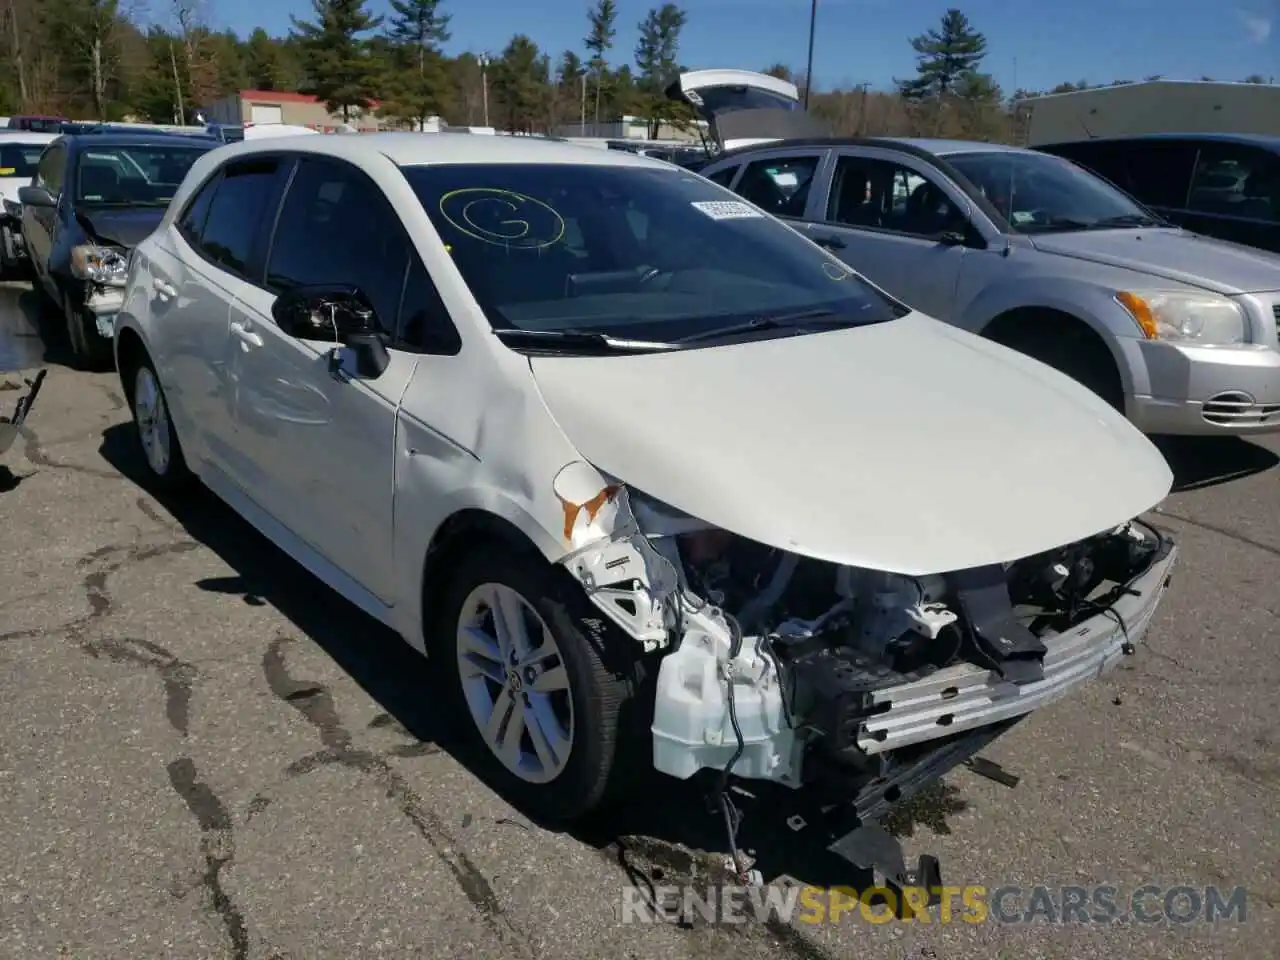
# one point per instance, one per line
(108, 266)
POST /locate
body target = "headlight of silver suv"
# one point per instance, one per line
(105, 265)
(1202, 318)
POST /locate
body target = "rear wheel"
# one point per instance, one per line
(161, 452)
(524, 653)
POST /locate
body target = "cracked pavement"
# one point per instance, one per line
(208, 755)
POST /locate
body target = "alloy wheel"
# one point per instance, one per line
(514, 682)
(152, 417)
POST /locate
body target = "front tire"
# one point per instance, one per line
(1083, 358)
(161, 453)
(523, 654)
(92, 351)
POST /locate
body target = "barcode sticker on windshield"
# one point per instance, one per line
(727, 209)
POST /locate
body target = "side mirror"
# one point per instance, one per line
(32, 196)
(340, 315)
(326, 313)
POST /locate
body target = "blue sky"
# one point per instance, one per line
(1030, 44)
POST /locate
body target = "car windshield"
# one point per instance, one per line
(1037, 192)
(631, 252)
(20, 159)
(134, 176)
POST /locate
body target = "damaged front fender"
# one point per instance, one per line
(619, 568)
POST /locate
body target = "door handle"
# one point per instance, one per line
(830, 242)
(163, 289)
(248, 339)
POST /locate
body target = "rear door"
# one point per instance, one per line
(202, 262)
(898, 222)
(1235, 195)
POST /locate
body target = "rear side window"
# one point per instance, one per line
(1159, 174)
(724, 177)
(191, 223)
(1235, 181)
(235, 213)
(779, 185)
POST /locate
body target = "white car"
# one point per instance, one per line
(19, 155)
(632, 460)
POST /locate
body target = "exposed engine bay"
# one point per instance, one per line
(784, 668)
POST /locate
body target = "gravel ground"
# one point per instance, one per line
(209, 755)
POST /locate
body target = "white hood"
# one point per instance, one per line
(9, 187)
(908, 446)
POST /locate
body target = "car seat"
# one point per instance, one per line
(99, 183)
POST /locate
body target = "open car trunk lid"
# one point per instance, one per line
(742, 107)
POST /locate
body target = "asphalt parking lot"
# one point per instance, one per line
(205, 754)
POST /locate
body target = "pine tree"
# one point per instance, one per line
(340, 71)
(418, 83)
(943, 57)
(656, 57)
(603, 18)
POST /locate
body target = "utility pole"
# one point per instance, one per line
(484, 84)
(582, 124)
(808, 70)
(595, 132)
(177, 85)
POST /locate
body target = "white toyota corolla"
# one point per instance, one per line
(635, 462)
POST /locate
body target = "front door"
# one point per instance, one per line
(39, 223)
(322, 442)
(899, 224)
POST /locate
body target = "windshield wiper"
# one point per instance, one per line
(1132, 220)
(782, 321)
(578, 340)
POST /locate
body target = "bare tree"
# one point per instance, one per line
(16, 48)
(92, 31)
(198, 59)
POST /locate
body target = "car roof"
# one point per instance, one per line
(921, 145)
(27, 136)
(418, 149)
(89, 141)
(950, 148)
(1253, 139)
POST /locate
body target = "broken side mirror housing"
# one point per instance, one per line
(338, 314)
(32, 196)
(326, 313)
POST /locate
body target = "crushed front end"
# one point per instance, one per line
(860, 684)
(102, 269)
(13, 245)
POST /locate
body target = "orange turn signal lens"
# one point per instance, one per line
(1140, 311)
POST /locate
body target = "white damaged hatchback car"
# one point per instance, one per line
(624, 454)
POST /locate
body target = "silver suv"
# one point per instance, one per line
(1177, 330)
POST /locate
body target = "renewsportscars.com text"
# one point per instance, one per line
(1102, 904)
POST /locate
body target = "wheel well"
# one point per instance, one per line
(1041, 331)
(130, 354)
(461, 533)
